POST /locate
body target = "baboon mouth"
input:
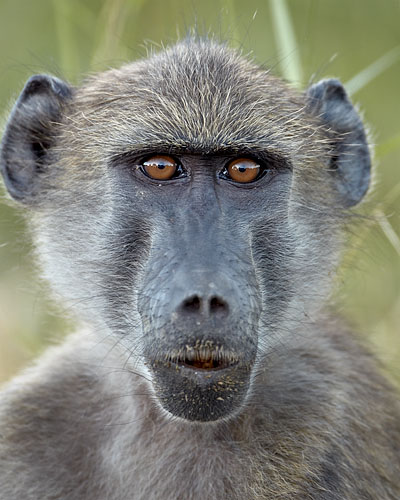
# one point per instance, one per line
(203, 381)
(203, 358)
(205, 364)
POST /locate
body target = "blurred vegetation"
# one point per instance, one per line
(303, 41)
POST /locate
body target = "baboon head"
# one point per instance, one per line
(188, 206)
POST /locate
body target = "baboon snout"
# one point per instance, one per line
(200, 336)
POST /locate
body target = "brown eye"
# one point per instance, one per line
(243, 170)
(160, 167)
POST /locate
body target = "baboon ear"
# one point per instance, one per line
(351, 162)
(29, 134)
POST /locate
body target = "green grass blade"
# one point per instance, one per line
(388, 231)
(286, 43)
(393, 195)
(229, 25)
(110, 29)
(63, 14)
(373, 70)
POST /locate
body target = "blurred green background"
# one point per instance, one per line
(303, 40)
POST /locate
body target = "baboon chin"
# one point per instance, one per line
(189, 208)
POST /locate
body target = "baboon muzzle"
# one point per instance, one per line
(198, 343)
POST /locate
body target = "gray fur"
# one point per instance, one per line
(298, 409)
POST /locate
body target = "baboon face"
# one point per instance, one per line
(187, 205)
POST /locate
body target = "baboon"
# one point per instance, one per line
(190, 209)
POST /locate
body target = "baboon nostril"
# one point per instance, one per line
(217, 304)
(192, 303)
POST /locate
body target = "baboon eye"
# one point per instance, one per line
(161, 168)
(242, 170)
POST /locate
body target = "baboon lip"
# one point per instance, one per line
(204, 364)
(202, 357)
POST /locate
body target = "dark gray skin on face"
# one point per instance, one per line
(200, 297)
(203, 295)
